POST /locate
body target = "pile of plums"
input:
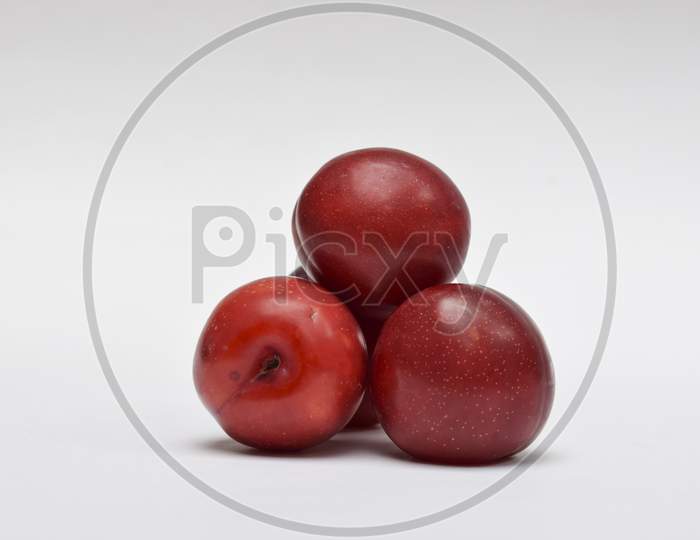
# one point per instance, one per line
(371, 329)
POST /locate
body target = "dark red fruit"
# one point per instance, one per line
(472, 391)
(371, 324)
(374, 226)
(281, 364)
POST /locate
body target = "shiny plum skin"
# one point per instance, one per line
(374, 226)
(371, 323)
(462, 397)
(281, 364)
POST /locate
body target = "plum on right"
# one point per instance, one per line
(461, 375)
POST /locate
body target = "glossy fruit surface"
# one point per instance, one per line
(371, 323)
(472, 391)
(281, 364)
(376, 225)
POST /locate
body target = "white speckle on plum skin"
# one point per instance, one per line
(495, 380)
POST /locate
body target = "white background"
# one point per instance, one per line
(247, 127)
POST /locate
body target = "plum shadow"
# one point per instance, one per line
(350, 442)
(358, 442)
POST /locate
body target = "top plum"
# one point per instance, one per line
(377, 225)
